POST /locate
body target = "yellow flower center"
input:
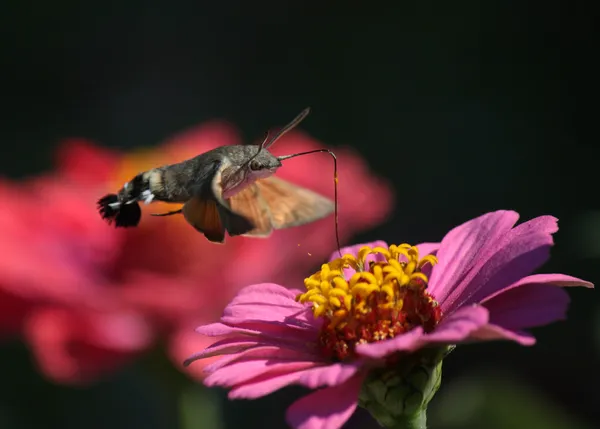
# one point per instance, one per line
(379, 301)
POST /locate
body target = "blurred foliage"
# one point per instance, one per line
(496, 400)
(200, 408)
(130, 398)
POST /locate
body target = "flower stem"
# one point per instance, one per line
(416, 421)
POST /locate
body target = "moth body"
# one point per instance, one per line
(227, 189)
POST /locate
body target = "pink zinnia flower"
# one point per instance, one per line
(87, 297)
(377, 304)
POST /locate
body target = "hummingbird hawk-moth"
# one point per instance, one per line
(227, 189)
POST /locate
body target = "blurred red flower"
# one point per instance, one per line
(88, 297)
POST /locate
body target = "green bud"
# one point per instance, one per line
(397, 394)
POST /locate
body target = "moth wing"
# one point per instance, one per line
(236, 223)
(209, 213)
(203, 214)
(292, 205)
(250, 204)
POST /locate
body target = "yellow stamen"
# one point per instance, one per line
(402, 268)
(383, 298)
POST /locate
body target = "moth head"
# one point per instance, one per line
(264, 164)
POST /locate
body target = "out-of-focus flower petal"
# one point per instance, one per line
(35, 261)
(199, 139)
(80, 161)
(78, 347)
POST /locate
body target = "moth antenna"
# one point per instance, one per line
(269, 141)
(335, 187)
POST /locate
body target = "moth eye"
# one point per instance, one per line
(255, 165)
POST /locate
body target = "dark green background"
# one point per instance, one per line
(466, 106)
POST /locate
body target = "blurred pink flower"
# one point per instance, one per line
(376, 303)
(54, 261)
(88, 297)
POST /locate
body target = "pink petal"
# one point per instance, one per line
(560, 280)
(454, 328)
(330, 375)
(218, 329)
(289, 331)
(223, 347)
(424, 250)
(266, 302)
(257, 329)
(182, 343)
(409, 341)
(529, 302)
(318, 376)
(241, 372)
(427, 248)
(238, 346)
(274, 353)
(529, 305)
(263, 385)
(274, 293)
(517, 254)
(464, 246)
(327, 408)
(494, 332)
